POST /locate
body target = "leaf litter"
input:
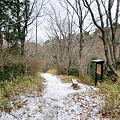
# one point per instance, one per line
(59, 101)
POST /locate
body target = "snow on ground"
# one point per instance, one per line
(59, 101)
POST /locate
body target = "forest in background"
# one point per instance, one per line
(70, 46)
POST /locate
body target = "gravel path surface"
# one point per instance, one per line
(59, 101)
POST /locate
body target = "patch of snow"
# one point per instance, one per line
(59, 101)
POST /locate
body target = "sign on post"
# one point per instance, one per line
(99, 69)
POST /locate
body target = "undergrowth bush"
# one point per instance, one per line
(73, 72)
(10, 90)
(11, 71)
(62, 68)
(108, 74)
(12, 66)
(33, 65)
(92, 69)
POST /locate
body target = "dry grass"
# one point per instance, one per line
(53, 71)
(87, 80)
(12, 89)
(111, 106)
(66, 78)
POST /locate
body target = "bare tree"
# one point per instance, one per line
(30, 17)
(81, 13)
(62, 34)
(107, 24)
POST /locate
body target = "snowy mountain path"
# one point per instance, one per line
(59, 101)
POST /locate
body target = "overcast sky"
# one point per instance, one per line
(42, 22)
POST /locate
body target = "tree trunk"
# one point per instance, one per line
(1, 41)
(110, 59)
(22, 46)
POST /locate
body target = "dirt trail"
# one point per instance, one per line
(59, 102)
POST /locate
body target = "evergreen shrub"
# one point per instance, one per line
(73, 72)
(8, 72)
